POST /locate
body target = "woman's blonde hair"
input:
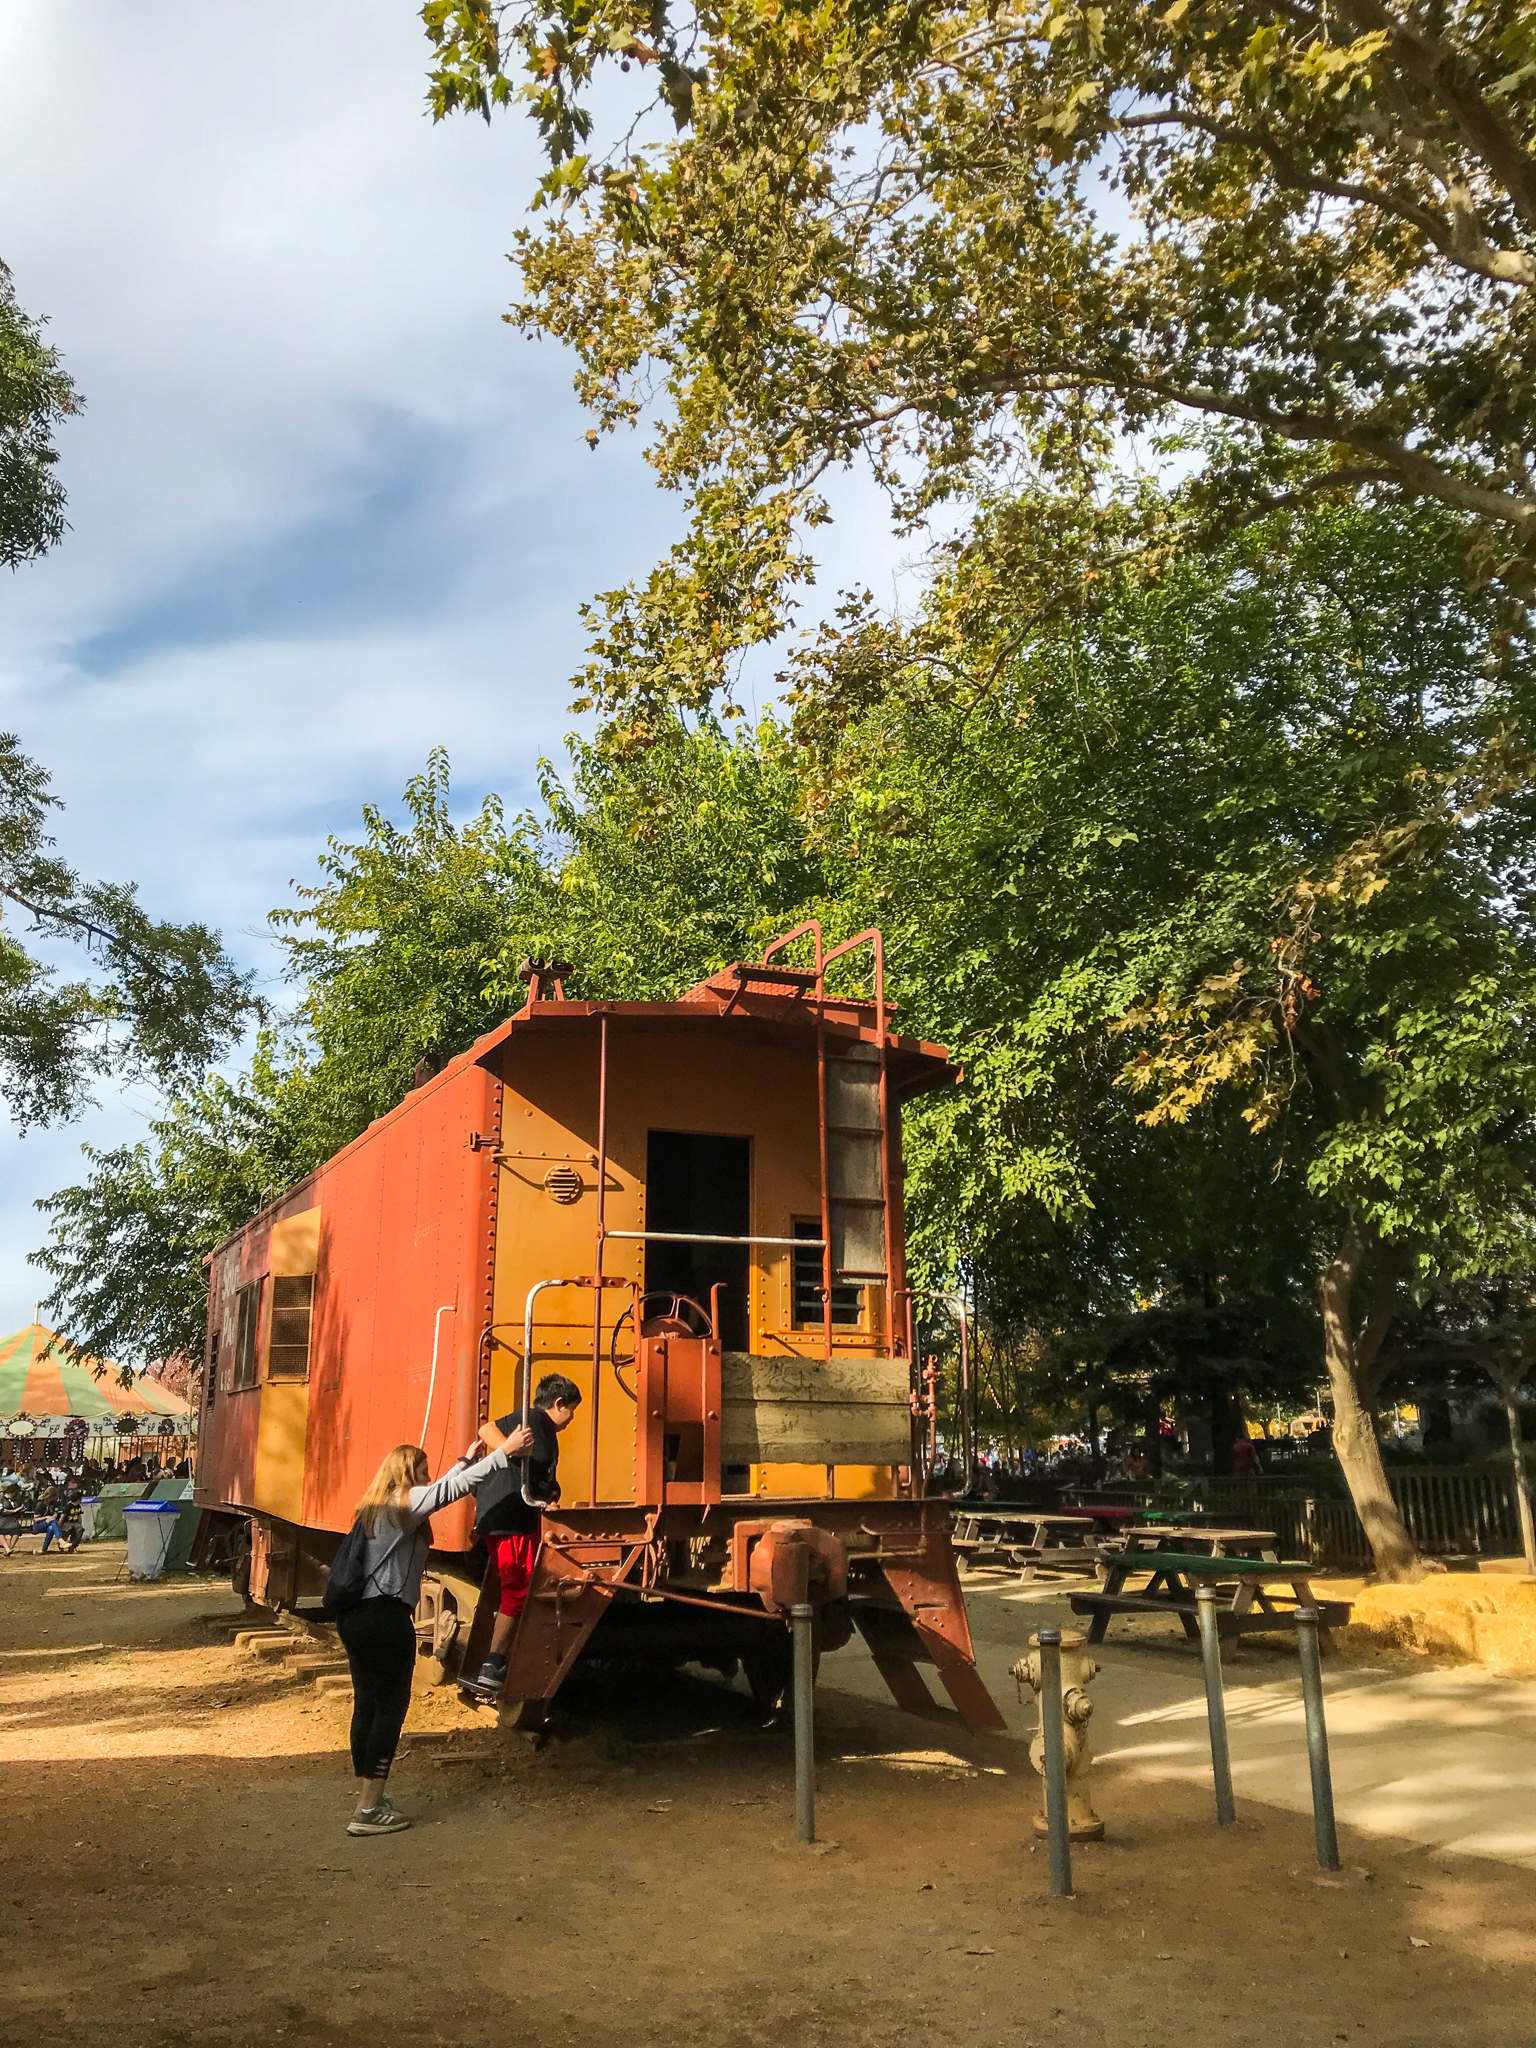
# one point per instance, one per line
(392, 1483)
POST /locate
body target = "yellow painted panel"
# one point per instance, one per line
(802, 1482)
(280, 1434)
(658, 1079)
(296, 1245)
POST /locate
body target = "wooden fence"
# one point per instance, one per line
(1450, 1511)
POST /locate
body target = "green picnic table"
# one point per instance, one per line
(1245, 1601)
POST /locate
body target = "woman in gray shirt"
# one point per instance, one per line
(379, 1633)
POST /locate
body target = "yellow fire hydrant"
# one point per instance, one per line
(1077, 1668)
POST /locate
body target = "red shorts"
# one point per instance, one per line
(512, 1561)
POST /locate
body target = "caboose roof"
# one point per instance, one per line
(757, 1005)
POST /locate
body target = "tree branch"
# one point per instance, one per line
(1458, 238)
(1420, 470)
(1442, 71)
(79, 922)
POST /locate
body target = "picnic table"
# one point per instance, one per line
(1030, 1539)
(1113, 1517)
(1204, 1542)
(1245, 1601)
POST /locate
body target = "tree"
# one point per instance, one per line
(668, 864)
(1219, 884)
(387, 955)
(954, 238)
(127, 1244)
(647, 873)
(165, 1003)
(36, 397)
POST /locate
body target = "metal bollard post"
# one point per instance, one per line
(1317, 1738)
(1053, 1740)
(1215, 1705)
(801, 1618)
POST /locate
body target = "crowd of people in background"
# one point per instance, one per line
(1115, 1461)
(44, 1501)
(47, 1500)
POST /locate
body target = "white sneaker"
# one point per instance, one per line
(377, 1820)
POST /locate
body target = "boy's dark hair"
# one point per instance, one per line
(556, 1387)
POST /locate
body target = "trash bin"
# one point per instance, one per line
(88, 1506)
(151, 1526)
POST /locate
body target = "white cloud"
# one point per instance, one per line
(327, 509)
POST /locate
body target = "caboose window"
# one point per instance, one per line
(288, 1349)
(847, 1300)
(248, 1318)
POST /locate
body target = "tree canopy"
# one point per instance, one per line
(980, 245)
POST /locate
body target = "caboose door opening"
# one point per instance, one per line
(703, 1183)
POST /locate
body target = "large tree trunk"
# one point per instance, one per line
(1224, 1421)
(1351, 1350)
(1507, 1378)
(1152, 1433)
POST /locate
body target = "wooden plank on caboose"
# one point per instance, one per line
(812, 1411)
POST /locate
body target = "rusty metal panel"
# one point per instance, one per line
(404, 1232)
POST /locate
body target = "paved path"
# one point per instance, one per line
(1441, 1756)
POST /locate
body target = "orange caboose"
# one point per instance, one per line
(694, 1210)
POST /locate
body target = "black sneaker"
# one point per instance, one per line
(489, 1680)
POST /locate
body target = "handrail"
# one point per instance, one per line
(448, 1308)
(785, 939)
(702, 1237)
(956, 1304)
(534, 1292)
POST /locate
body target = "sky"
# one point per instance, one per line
(327, 510)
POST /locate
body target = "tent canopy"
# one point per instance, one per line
(38, 1377)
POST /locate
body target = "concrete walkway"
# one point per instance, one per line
(1443, 1756)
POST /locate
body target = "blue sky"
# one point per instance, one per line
(327, 510)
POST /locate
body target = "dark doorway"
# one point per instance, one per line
(704, 1184)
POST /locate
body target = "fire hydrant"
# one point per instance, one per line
(1077, 1668)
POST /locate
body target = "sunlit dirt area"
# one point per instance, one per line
(175, 1870)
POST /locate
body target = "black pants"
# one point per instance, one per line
(380, 1640)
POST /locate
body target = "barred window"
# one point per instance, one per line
(847, 1299)
(288, 1347)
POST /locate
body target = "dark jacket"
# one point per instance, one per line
(500, 1509)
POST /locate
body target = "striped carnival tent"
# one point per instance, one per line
(38, 1377)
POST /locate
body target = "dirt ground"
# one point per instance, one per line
(174, 1870)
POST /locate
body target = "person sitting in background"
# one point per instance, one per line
(49, 1512)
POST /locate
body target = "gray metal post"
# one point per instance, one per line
(1053, 1739)
(1317, 1738)
(801, 1619)
(1215, 1705)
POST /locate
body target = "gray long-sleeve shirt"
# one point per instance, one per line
(397, 1549)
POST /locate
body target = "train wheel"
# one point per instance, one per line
(769, 1668)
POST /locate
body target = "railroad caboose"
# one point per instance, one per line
(694, 1210)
